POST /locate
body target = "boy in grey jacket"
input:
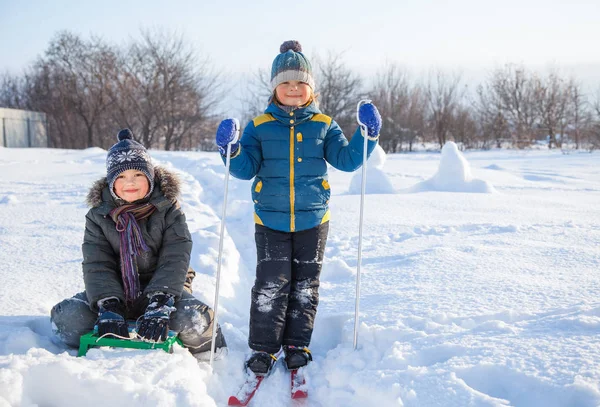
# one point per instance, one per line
(136, 254)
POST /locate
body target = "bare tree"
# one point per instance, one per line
(594, 139)
(157, 86)
(71, 84)
(579, 115)
(509, 96)
(402, 105)
(443, 94)
(12, 94)
(257, 95)
(390, 94)
(552, 95)
(166, 91)
(339, 90)
(464, 127)
(415, 117)
(491, 116)
(80, 72)
(135, 96)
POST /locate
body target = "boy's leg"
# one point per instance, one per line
(193, 320)
(271, 289)
(308, 250)
(72, 318)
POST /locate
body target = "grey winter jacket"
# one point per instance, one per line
(164, 268)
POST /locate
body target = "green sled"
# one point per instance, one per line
(91, 340)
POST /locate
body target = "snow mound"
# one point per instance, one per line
(337, 270)
(378, 181)
(453, 175)
(377, 158)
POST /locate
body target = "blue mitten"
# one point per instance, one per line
(370, 117)
(228, 133)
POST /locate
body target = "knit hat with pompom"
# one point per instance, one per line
(128, 154)
(291, 65)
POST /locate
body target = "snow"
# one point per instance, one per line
(378, 181)
(467, 299)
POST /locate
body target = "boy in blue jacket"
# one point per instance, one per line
(286, 151)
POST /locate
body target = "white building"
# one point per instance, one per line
(23, 128)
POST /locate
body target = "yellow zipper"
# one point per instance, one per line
(292, 192)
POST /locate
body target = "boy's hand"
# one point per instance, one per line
(155, 321)
(228, 133)
(111, 318)
(369, 116)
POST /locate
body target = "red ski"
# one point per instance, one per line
(245, 394)
(298, 383)
(247, 391)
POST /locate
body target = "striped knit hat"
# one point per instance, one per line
(291, 65)
(128, 154)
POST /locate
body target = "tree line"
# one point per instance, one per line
(158, 86)
(171, 97)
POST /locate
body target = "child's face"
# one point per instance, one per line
(293, 93)
(131, 185)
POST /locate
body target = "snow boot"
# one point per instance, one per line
(260, 363)
(296, 357)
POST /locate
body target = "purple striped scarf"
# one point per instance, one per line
(132, 244)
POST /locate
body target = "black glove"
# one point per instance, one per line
(110, 318)
(155, 321)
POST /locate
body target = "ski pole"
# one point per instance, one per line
(363, 131)
(221, 237)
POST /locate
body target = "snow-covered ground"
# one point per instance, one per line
(482, 298)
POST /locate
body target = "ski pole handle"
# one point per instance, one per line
(363, 126)
(237, 133)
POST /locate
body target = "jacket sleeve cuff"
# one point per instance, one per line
(149, 291)
(233, 154)
(236, 153)
(99, 302)
(94, 300)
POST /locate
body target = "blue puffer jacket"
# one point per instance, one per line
(286, 152)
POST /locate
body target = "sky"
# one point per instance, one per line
(466, 37)
(479, 284)
(241, 36)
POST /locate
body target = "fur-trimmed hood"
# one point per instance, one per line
(165, 181)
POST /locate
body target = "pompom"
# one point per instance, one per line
(125, 134)
(292, 44)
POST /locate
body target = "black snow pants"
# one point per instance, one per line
(286, 290)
